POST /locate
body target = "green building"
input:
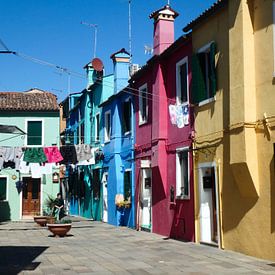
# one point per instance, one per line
(34, 117)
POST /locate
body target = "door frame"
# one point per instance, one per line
(217, 197)
(41, 197)
(105, 172)
(141, 190)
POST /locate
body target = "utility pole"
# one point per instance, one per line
(95, 26)
(130, 33)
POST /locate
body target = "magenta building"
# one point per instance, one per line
(164, 130)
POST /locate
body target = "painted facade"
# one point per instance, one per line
(81, 128)
(118, 148)
(234, 139)
(163, 158)
(11, 208)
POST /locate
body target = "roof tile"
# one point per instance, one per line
(32, 100)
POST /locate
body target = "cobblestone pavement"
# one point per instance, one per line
(97, 248)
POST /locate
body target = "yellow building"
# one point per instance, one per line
(234, 102)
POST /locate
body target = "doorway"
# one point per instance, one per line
(31, 196)
(146, 200)
(105, 196)
(209, 213)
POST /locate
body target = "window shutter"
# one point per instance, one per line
(198, 83)
(34, 133)
(213, 78)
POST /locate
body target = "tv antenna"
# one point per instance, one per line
(148, 49)
(95, 26)
(130, 32)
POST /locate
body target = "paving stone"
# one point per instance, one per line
(97, 248)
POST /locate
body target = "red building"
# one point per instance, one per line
(164, 128)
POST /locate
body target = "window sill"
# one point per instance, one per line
(182, 198)
(206, 101)
(107, 141)
(127, 134)
(143, 123)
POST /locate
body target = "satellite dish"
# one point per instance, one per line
(97, 64)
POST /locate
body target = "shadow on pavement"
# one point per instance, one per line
(66, 236)
(15, 259)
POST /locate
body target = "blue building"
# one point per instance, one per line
(118, 134)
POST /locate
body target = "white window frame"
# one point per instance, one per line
(178, 174)
(7, 186)
(273, 8)
(106, 138)
(26, 131)
(131, 126)
(97, 127)
(141, 88)
(206, 48)
(178, 81)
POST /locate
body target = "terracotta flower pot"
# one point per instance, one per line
(41, 220)
(59, 229)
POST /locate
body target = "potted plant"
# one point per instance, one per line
(60, 228)
(40, 219)
(49, 209)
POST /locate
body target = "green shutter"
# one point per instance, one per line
(3, 189)
(34, 133)
(198, 82)
(213, 78)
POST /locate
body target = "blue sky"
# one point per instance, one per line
(50, 30)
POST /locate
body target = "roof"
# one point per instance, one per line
(31, 100)
(112, 97)
(219, 4)
(165, 8)
(173, 47)
(120, 51)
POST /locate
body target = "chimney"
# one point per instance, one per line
(163, 28)
(121, 61)
(91, 74)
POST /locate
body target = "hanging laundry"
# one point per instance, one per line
(173, 114)
(83, 152)
(47, 169)
(179, 115)
(69, 154)
(53, 154)
(23, 167)
(35, 155)
(62, 171)
(36, 170)
(89, 161)
(10, 157)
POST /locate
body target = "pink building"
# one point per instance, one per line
(164, 127)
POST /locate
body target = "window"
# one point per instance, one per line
(3, 189)
(204, 74)
(97, 124)
(182, 81)
(107, 126)
(143, 104)
(127, 186)
(126, 117)
(182, 170)
(34, 130)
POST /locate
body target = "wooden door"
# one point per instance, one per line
(31, 196)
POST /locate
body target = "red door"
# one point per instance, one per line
(31, 197)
